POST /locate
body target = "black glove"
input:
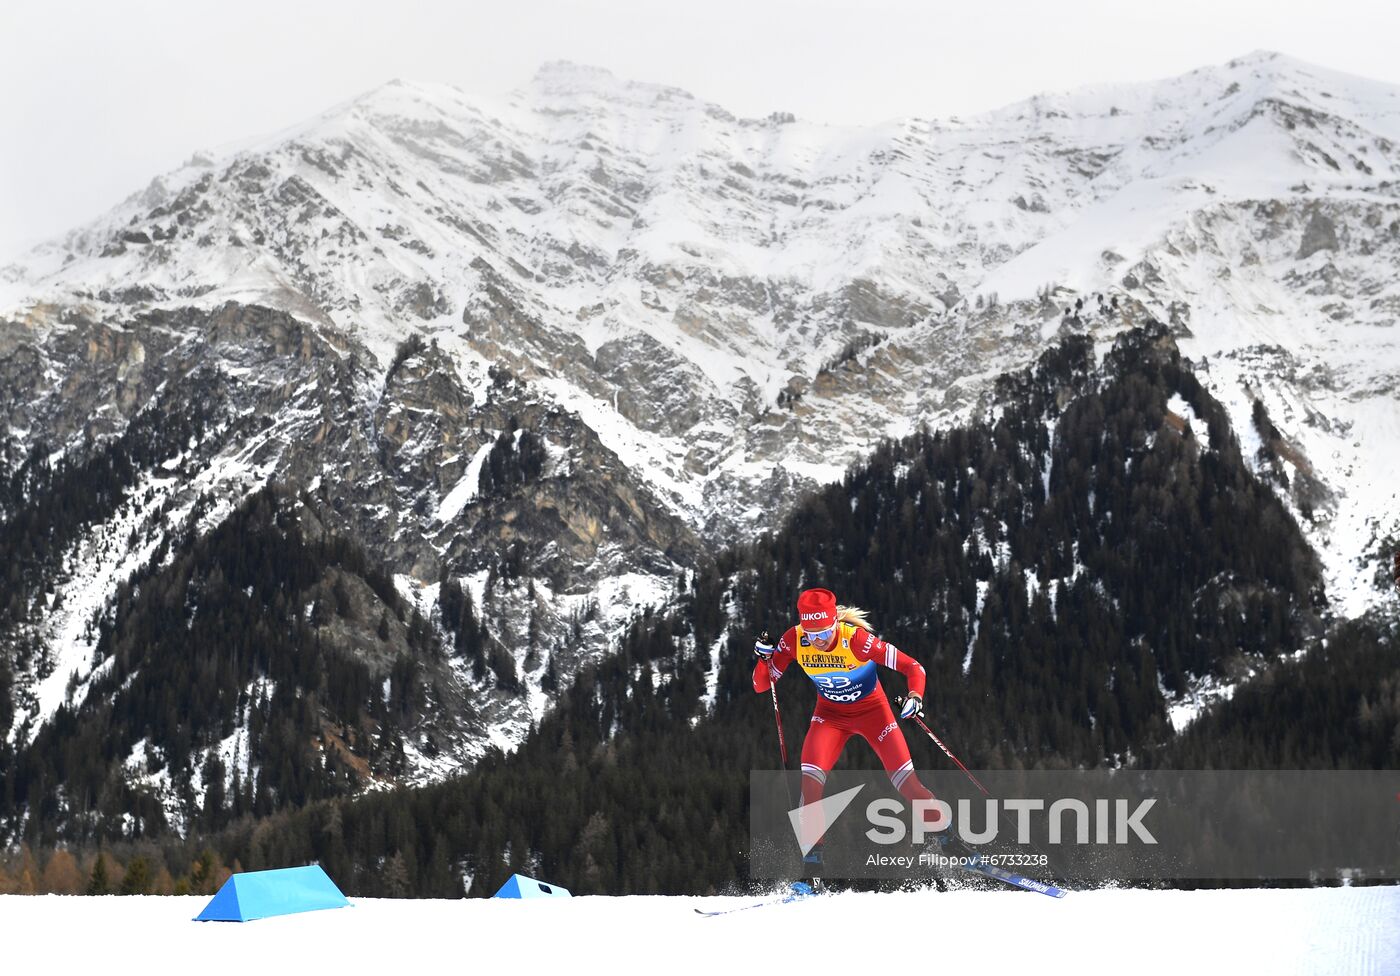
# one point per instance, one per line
(763, 646)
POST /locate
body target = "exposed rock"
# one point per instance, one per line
(1319, 235)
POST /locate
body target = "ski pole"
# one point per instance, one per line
(778, 720)
(949, 753)
(918, 719)
(777, 715)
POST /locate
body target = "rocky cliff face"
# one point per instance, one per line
(557, 345)
(392, 459)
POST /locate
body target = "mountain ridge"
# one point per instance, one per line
(670, 323)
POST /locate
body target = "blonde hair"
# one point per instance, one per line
(853, 615)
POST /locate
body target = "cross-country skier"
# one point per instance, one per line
(834, 646)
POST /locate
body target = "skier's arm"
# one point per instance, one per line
(912, 670)
(769, 669)
(868, 647)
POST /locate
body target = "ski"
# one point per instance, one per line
(798, 891)
(1010, 877)
(973, 861)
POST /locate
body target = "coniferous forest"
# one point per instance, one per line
(1061, 568)
(229, 634)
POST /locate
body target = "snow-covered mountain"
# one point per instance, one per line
(697, 316)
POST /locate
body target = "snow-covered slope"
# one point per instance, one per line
(666, 270)
(1307, 932)
(702, 314)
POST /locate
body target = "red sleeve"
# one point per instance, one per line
(868, 647)
(766, 672)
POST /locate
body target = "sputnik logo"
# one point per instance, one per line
(811, 820)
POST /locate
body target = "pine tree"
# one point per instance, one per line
(137, 879)
(395, 880)
(98, 881)
(204, 871)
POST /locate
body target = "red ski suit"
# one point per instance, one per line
(850, 702)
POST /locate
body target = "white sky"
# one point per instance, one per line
(96, 98)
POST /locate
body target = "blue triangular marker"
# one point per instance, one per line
(262, 894)
(519, 886)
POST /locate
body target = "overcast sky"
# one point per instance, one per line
(96, 98)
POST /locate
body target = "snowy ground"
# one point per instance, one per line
(1340, 930)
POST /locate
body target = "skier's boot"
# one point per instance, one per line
(937, 846)
(812, 869)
